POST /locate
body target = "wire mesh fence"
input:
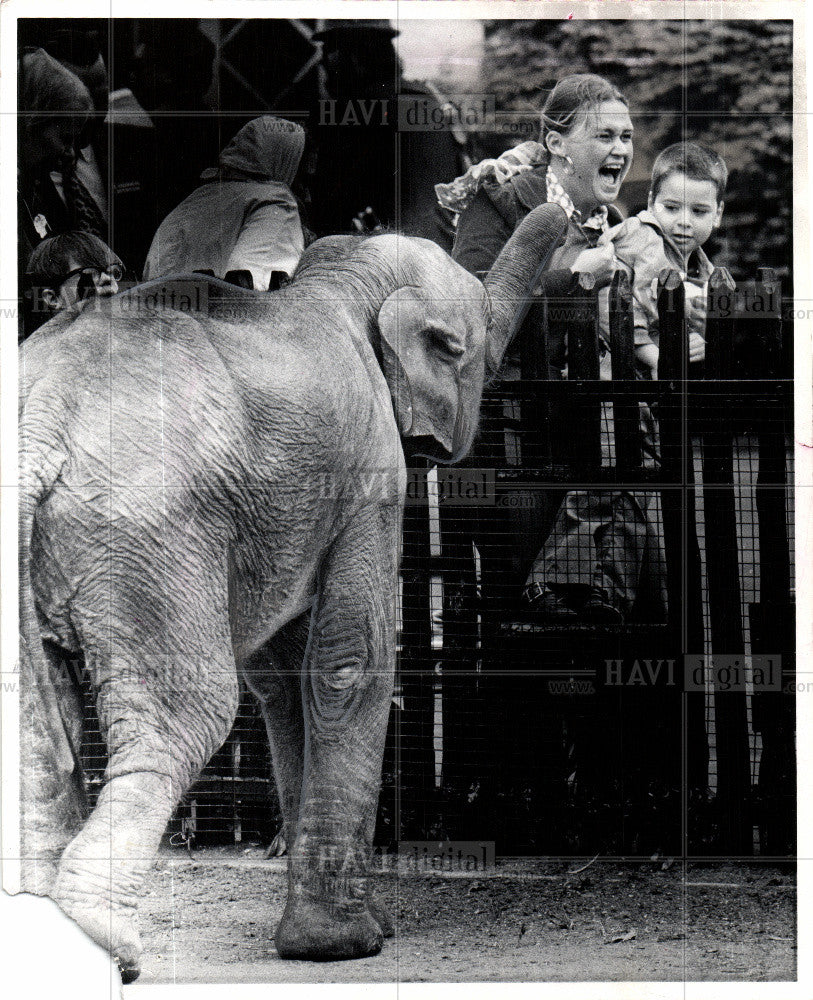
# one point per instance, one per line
(595, 626)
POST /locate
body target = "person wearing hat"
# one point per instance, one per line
(352, 127)
(368, 170)
(244, 216)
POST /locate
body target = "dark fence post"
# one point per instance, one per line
(583, 366)
(415, 759)
(722, 567)
(774, 561)
(672, 369)
(626, 411)
(465, 723)
(533, 341)
(773, 619)
(672, 350)
(683, 570)
(534, 367)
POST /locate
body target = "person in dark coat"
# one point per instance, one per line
(120, 160)
(584, 153)
(370, 171)
(580, 163)
(54, 108)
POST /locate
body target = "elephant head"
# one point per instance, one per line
(437, 331)
(432, 344)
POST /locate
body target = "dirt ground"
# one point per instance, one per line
(210, 918)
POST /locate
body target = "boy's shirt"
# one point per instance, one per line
(641, 244)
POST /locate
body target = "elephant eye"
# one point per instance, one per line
(445, 341)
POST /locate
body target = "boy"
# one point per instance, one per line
(593, 558)
(685, 207)
(65, 272)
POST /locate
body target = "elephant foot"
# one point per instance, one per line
(319, 932)
(382, 917)
(278, 846)
(117, 934)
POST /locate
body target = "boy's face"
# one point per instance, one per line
(687, 211)
(81, 283)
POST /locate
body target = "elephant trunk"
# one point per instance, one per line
(515, 274)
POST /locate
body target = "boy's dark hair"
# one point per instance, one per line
(698, 163)
(48, 263)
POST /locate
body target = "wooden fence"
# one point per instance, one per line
(708, 740)
(506, 728)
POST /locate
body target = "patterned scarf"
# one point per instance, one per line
(596, 220)
(459, 194)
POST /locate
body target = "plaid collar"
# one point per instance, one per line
(596, 220)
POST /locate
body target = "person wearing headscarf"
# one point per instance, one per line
(244, 215)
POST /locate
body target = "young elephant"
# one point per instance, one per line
(209, 490)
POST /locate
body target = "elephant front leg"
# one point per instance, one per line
(347, 689)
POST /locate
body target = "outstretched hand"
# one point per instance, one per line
(697, 347)
(694, 310)
(695, 313)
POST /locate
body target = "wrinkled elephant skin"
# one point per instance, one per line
(216, 490)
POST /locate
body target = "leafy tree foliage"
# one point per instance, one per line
(727, 84)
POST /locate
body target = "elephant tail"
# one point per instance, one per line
(33, 661)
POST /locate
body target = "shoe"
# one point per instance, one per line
(547, 605)
(598, 611)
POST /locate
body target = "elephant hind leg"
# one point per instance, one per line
(274, 676)
(163, 711)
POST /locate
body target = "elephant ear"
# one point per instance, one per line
(421, 354)
(396, 313)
